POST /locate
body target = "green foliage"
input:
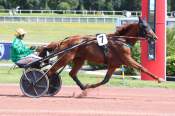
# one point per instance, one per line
(73, 4)
(172, 5)
(63, 6)
(135, 51)
(94, 4)
(131, 4)
(2, 7)
(108, 6)
(170, 41)
(170, 66)
(168, 5)
(117, 4)
(34, 4)
(79, 4)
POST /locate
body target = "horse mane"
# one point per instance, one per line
(122, 30)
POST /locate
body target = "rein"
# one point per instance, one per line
(130, 37)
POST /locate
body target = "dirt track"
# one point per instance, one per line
(103, 101)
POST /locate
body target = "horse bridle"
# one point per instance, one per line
(143, 29)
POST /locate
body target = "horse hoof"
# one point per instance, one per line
(160, 80)
(73, 94)
(83, 94)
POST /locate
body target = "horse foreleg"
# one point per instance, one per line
(73, 73)
(131, 62)
(105, 80)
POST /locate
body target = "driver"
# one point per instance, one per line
(20, 53)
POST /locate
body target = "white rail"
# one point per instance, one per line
(75, 12)
(40, 19)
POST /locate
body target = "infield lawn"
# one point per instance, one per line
(47, 32)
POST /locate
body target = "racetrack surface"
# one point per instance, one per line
(102, 101)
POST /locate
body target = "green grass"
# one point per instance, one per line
(47, 32)
(14, 77)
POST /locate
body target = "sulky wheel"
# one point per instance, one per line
(55, 83)
(34, 83)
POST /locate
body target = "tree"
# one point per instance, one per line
(80, 6)
(5, 4)
(169, 5)
(94, 4)
(53, 4)
(131, 5)
(172, 5)
(63, 6)
(1, 7)
(34, 4)
(73, 3)
(117, 4)
(108, 5)
(44, 4)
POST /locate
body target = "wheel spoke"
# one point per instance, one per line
(34, 75)
(29, 87)
(35, 91)
(39, 78)
(40, 86)
(27, 78)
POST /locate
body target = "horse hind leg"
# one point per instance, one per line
(105, 80)
(131, 62)
(77, 64)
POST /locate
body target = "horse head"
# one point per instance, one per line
(145, 30)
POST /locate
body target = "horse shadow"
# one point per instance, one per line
(10, 95)
(59, 96)
(85, 97)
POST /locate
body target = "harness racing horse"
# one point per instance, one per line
(118, 52)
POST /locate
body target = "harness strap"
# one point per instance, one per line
(127, 45)
(104, 50)
(122, 43)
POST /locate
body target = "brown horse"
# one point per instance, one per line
(118, 52)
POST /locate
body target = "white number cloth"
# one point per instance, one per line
(102, 39)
